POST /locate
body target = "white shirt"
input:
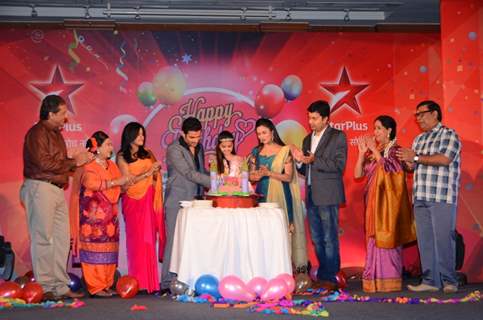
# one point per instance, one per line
(314, 142)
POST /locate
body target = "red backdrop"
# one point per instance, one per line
(223, 78)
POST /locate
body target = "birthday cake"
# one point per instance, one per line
(232, 181)
(231, 186)
(229, 192)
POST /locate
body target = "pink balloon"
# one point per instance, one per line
(233, 288)
(289, 281)
(257, 285)
(276, 289)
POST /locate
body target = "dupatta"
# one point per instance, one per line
(139, 189)
(389, 216)
(276, 194)
(94, 178)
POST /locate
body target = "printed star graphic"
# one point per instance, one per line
(186, 58)
(58, 86)
(344, 93)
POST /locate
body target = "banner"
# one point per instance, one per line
(227, 80)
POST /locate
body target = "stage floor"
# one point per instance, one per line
(166, 308)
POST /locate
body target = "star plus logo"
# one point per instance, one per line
(58, 85)
(344, 93)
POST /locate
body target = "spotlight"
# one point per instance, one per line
(243, 16)
(346, 16)
(34, 12)
(288, 17)
(138, 15)
(87, 15)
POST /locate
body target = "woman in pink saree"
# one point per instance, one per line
(142, 207)
(389, 221)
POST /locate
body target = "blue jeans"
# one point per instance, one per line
(324, 230)
(435, 228)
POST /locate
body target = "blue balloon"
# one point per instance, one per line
(75, 283)
(207, 284)
(291, 87)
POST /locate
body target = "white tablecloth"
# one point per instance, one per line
(242, 242)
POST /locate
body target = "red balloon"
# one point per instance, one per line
(341, 279)
(30, 275)
(269, 101)
(127, 287)
(32, 292)
(10, 289)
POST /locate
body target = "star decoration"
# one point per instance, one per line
(186, 58)
(344, 93)
(58, 86)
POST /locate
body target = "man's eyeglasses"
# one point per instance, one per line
(420, 113)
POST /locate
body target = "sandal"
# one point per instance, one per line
(102, 294)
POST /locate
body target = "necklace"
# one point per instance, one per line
(388, 146)
(102, 162)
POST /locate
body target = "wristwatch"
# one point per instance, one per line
(416, 158)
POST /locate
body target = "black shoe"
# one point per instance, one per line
(164, 292)
(49, 296)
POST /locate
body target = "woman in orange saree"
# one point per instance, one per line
(142, 207)
(389, 221)
(93, 216)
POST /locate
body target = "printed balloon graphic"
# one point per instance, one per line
(291, 132)
(146, 95)
(169, 85)
(292, 87)
(269, 101)
(118, 123)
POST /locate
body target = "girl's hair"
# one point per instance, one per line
(223, 136)
(129, 134)
(263, 122)
(99, 137)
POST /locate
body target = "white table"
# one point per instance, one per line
(242, 242)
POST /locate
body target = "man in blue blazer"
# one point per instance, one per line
(187, 178)
(323, 162)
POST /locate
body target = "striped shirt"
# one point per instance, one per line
(437, 183)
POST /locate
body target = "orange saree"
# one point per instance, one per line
(389, 223)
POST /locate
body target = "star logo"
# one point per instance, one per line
(59, 86)
(344, 93)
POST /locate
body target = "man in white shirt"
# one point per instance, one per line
(323, 163)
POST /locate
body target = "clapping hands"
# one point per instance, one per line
(83, 157)
(365, 143)
(299, 156)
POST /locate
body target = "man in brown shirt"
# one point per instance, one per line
(46, 172)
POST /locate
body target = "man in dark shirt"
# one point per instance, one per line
(46, 172)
